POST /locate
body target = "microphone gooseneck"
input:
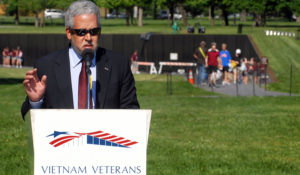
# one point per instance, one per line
(87, 56)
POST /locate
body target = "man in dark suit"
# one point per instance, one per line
(56, 81)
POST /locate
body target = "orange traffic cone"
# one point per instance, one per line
(191, 77)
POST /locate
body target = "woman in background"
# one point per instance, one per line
(244, 70)
(6, 57)
(134, 64)
(253, 69)
(13, 57)
(19, 57)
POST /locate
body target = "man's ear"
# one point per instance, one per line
(68, 33)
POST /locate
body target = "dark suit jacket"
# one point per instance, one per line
(115, 83)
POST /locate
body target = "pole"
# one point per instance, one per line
(171, 84)
(260, 73)
(253, 82)
(209, 81)
(237, 81)
(240, 28)
(265, 66)
(167, 83)
(291, 79)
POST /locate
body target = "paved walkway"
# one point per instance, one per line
(243, 90)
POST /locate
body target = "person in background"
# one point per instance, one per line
(6, 57)
(200, 56)
(265, 61)
(175, 27)
(244, 70)
(212, 62)
(252, 70)
(236, 62)
(13, 57)
(226, 59)
(263, 66)
(19, 57)
(134, 64)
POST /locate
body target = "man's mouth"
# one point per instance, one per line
(88, 46)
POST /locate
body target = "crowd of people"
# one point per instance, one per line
(13, 58)
(213, 64)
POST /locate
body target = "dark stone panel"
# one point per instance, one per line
(156, 49)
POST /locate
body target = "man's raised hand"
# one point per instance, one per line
(34, 87)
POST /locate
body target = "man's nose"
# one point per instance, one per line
(88, 37)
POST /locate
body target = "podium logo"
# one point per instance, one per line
(92, 138)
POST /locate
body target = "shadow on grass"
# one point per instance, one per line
(11, 81)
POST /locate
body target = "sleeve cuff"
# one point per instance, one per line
(36, 105)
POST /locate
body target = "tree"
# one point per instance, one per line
(261, 8)
(13, 5)
(183, 14)
(225, 7)
(37, 6)
(171, 5)
(62, 4)
(211, 4)
(233, 6)
(128, 6)
(154, 9)
(110, 4)
(294, 5)
(142, 4)
(117, 4)
(195, 7)
(286, 10)
(240, 6)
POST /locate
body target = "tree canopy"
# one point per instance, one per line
(259, 9)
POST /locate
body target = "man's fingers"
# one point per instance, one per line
(31, 72)
(35, 75)
(44, 80)
(29, 77)
(26, 81)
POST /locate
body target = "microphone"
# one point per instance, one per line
(88, 55)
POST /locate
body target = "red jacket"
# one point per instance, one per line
(213, 57)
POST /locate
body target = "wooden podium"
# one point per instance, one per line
(90, 141)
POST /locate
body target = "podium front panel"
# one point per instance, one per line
(90, 141)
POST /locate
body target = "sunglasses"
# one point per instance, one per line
(82, 32)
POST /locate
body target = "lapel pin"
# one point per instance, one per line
(106, 68)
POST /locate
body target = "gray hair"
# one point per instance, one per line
(81, 7)
(203, 43)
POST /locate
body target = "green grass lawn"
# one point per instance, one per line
(192, 132)
(118, 26)
(282, 52)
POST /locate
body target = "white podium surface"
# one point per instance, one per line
(90, 141)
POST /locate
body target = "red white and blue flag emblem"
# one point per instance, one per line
(94, 138)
